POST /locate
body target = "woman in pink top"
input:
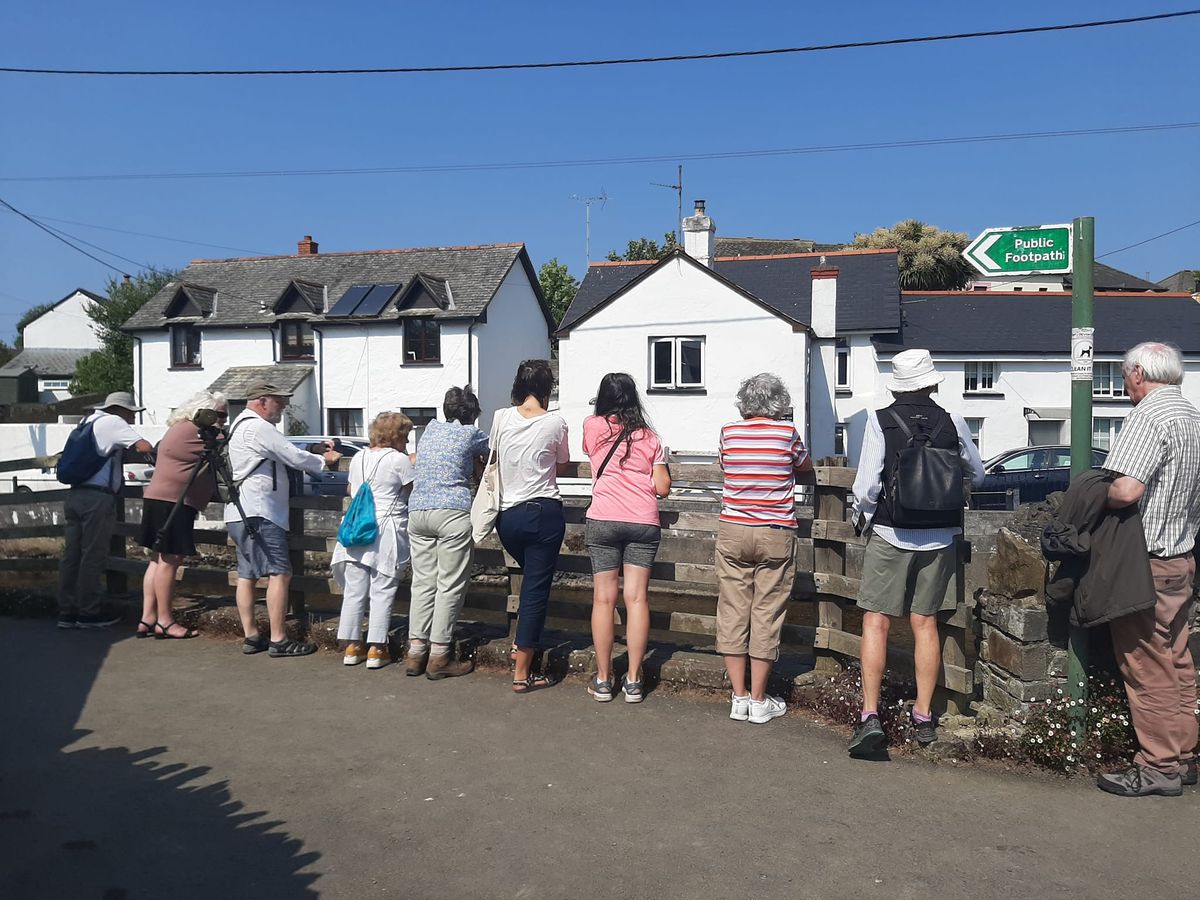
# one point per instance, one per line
(629, 474)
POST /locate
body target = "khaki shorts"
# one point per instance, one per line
(895, 581)
(756, 567)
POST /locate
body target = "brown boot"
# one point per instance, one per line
(444, 665)
(414, 663)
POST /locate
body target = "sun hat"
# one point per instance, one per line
(913, 370)
(262, 388)
(123, 399)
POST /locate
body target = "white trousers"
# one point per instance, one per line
(362, 583)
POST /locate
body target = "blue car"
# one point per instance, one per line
(1027, 475)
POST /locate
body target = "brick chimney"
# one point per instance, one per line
(306, 247)
(700, 236)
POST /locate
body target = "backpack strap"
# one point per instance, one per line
(899, 421)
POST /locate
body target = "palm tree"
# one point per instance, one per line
(929, 259)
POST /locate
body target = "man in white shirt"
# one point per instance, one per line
(90, 513)
(259, 456)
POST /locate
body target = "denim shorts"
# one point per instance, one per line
(613, 544)
(263, 553)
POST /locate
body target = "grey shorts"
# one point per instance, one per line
(895, 581)
(262, 553)
(613, 544)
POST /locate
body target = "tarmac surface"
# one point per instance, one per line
(154, 769)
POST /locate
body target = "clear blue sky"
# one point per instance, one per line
(1135, 185)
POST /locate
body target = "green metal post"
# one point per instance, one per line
(1083, 240)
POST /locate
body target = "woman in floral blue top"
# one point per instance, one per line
(439, 530)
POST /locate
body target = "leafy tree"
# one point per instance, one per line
(558, 287)
(930, 259)
(645, 248)
(28, 316)
(111, 367)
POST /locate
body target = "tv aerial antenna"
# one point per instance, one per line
(601, 198)
(677, 187)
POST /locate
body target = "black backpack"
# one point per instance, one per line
(926, 487)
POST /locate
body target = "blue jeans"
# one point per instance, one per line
(532, 533)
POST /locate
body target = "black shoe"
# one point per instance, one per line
(924, 732)
(286, 649)
(68, 621)
(106, 618)
(1189, 774)
(868, 737)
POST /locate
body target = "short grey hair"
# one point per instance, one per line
(763, 395)
(202, 400)
(1160, 363)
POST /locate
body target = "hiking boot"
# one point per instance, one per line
(414, 662)
(353, 654)
(632, 690)
(378, 657)
(766, 709)
(104, 618)
(68, 621)
(924, 732)
(444, 665)
(1188, 775)
(739, 708)
(868, 737)
(1141, 781)
(601, 690)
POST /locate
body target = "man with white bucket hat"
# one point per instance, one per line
(909, 565)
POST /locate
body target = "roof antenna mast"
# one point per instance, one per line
(587, 202)
(677, 187)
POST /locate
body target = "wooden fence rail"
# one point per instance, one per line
(683, 578)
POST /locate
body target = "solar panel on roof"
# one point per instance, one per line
(374, 302)
(350, 300)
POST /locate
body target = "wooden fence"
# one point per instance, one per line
(683, 580)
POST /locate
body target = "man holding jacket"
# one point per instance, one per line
(1156, 459)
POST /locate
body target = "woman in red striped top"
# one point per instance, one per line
(756, 536)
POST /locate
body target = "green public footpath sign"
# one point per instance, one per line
(1025, 250)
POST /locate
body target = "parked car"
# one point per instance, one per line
(327, 484)
(1030, 473)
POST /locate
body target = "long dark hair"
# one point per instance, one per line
(617, 397)
(534, 378)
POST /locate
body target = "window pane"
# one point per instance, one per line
(971, 376)
(689, 362)
(843, 365)
(1018, 463)
(662, 363)
(987, 375)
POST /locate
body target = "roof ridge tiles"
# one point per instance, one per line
(1099, 295)
(497, 246)
(806, 255)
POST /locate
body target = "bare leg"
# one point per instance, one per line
(164, 585)
(637, 617)
(524, 661)
(760, 673)
(927, 654)
(277, 601)
(604, 599)
(875, 628)
(149, 604)
(735, 666)
(245, 605)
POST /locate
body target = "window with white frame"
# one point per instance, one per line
(975, 426)
(840, 433)
(1107, 380)
(979, 377)
(185, 347)
(1105, 431)
(842, 367)
(55, 384)
(677, 363)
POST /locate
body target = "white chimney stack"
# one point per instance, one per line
(700, 236)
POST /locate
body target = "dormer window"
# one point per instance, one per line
(190, 300)
(300, 297)
(295, 339)
(422, 341)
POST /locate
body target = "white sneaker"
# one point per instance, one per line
(739, 711)
(767, 709)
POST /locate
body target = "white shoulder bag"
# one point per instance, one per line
(485, 508)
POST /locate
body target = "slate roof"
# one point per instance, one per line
(753, 246)
(867, 298)
(1185, 280)
(1002, 322)
(248, 288)
(1106, 278)
(48, 362)
(234, 381)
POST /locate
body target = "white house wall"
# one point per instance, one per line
(515, 330)
(67, 325)
(741, 339)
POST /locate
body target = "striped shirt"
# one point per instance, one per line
(759, 458)
(1159, 445)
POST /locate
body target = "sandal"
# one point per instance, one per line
(256, 644)
(149, 632)
(287, 648)
(164, 631)
(532, 683)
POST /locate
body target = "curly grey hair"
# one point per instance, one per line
(763, 395)
(202, 400)
(1160, 363)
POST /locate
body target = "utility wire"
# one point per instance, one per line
(157, 237)
(637, 60)
(54, 234)
(1148, 240)
(618, 160)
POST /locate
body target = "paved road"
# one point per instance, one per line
(185, 770)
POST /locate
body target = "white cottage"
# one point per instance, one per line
(352, 334)
(53, 343)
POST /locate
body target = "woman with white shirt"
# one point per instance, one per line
(531, 446)
(372, 571)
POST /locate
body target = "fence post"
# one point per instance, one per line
(116, 583)
(829, 557)
(297, 603)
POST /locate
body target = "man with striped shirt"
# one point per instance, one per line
(1156, 461)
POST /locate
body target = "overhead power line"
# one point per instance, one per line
(1149, 239)
(625, 61)
(157, 237)
(54, 234)
(617, 160)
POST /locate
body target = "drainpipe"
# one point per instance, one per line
(138, 398)
(320, 378)
(471, 355)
